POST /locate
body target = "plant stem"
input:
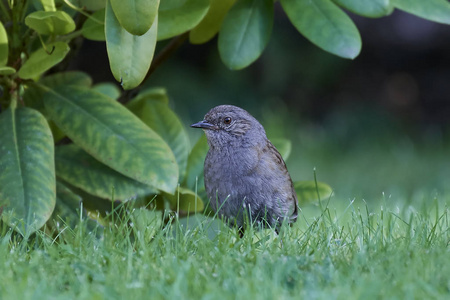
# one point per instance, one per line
(166, 52)
(4, 12)
(23, 11)
(68, 37)
(80, 10)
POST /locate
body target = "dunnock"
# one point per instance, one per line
(246, 179)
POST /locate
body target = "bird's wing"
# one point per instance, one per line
(279, 160)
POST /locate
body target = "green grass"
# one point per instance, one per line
(345, 252)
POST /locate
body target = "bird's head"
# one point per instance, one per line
(228, 124)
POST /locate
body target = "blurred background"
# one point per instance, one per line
(373, 128)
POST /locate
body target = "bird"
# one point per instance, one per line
(246, 179)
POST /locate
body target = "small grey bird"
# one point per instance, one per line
(246, 179)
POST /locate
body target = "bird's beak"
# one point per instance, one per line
(204, 125)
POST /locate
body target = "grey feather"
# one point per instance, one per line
(246, 178)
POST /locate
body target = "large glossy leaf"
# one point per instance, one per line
(129, 55)
(80, 169)
(367, 8)
(325, 25)
(283, 146)
(94, 27)
(307, 191)
(50, 22)
(113, 135)
(3, 46)
(33, 94)
(40, 60)
(49, 5)
(136, 16)
(194, 173)
(245, 32)
(159, 117)
(179, 16)
(434, 10)
(211, 23)
(27, 177)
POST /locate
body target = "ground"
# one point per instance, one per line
(384, 234)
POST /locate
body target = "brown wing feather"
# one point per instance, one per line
(281, 162)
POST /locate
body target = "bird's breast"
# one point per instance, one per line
(239, 162)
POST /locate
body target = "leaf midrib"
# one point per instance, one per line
(19, 164)
(334, 26)
(245, 32)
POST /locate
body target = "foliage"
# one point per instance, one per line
(28, 171)
(137, 150)
(339, 252)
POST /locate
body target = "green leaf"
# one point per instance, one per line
(194, 179)
(159, 117)
(67, 209)
(3, 46)
(41, 61)
(33, 94)
(113, 135)
(81, 170)
(156, 94)
(49, 5)
(433, 10)
(245, 32)
(325, 25)
(94, 27)
(107, 88)
(283, 146)
(136, 16)
(50, 22)
(27, 177)
(211, 23)
(367, 8)
(78, 78)
(7, 70)
(185, 200)
(179, 16)
(129, 55)
(307, 191)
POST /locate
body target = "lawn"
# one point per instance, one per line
(388, 253)
(391, 244)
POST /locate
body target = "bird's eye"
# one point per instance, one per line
(227, 120)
